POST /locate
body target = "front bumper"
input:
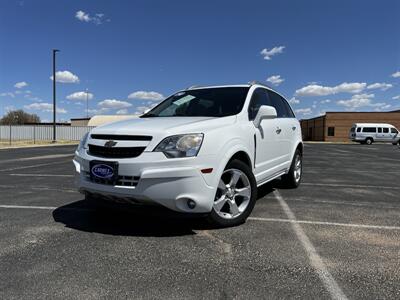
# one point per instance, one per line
(158, 180)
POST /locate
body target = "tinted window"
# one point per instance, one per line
(212, 102)
(369, 129)
(385, 130)
(331, 131)
(393, 130)
(288, 109)
(282, 110)
(352, 129)
(359, 129)
(258, 98)
(379, 130)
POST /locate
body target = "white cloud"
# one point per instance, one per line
(20, 85)
(44, 107)
(319, 90)
(362, 100)
(82, 16)
(325, 101)
(294, 100)
(143, 95)
(9, 108)
(275, 79)
(269, 53)
(7, 94)
(382, 86)
(80, 96)
(123, 111)
(113, 104)
(85, 17)
(396, 74)
(65, 77)
(357, 101)
(396, 97)
(304, 111)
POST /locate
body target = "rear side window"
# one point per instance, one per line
(369, 129)
(393, 130)
(385, 130)
(282, 107)
(258, 98)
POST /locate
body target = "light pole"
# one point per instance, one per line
(87, 103)
(54, 94)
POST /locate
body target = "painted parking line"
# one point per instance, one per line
(352, 185)
(37, 157)
(34, 166)
(278, 220)
(36, 188)
(41, 175)
(315, 260)
(365, 226)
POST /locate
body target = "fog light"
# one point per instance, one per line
(191, 204)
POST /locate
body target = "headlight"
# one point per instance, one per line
(184, 145)
(82, 143)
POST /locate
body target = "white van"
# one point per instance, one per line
(367, 133)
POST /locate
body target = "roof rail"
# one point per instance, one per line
(193, 86)
(253, 82)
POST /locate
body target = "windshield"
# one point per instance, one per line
(211, 102)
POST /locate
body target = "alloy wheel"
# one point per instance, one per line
(233, 194)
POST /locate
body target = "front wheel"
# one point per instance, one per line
(235, 197)
(369, 141)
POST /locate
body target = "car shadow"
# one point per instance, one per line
(127, 220)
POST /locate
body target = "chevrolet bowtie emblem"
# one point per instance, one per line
(110, 144)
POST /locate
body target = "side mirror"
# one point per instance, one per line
(265, 112)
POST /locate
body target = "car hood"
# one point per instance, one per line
(164, 126)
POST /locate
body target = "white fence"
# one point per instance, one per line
(42, 132)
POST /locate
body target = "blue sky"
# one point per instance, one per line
(323, 55)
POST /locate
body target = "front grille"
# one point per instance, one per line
(119, 137)
(128, 181)
(115, 152)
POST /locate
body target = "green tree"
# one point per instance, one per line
(19, 117)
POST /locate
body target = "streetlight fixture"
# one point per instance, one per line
(54, 94)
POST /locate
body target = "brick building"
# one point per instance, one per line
(335, 126)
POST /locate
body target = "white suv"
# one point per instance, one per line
(202, 150)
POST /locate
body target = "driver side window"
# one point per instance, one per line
(259, 97)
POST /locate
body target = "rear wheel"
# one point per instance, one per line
(235, 197)
(293, 178)
(369, 141)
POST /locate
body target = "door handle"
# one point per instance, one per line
(278, 130)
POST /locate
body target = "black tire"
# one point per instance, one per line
(215, 218)
(293, 178)
(369, 141)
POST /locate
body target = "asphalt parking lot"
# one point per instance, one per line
(337, 236)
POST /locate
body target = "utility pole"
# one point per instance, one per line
(54, 94)
(87, 104)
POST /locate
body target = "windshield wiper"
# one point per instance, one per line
(148, 116)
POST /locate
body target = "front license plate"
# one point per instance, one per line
(104, 170)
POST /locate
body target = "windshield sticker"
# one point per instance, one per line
(184, 100)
